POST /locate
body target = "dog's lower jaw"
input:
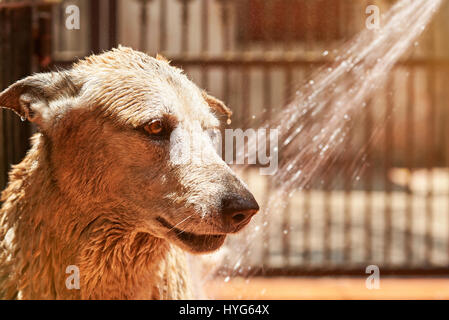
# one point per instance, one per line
(192, 242)
(199, 244)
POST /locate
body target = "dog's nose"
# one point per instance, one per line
(238, 210)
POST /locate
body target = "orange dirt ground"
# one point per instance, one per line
(329, 288)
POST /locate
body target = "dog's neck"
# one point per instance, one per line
(43, 252)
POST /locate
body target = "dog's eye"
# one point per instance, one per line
(155, 128)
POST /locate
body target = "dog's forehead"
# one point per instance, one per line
(135, 88)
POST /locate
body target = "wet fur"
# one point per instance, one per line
(88, 191)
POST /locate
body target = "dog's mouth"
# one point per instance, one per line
(196, 243)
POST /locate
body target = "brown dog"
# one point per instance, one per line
(99, 190)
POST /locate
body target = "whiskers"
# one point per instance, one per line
(179, 223)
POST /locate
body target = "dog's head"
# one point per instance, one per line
(118, 126)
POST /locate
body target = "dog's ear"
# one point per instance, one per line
(217, 105)
(30, 97)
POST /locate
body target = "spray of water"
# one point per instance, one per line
(313, 126)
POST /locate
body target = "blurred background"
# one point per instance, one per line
(254, 55)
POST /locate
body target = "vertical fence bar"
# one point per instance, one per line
(162, 25)
(342, 10)
(16, 73)
(307, 222)
(6, 32)
(225, 24)
(15, 52)
(341, 17)
(95, 25)
(288, 11)
(246, 101)
(9, 148)
(225, 20)
(144, 22)
(205, 41)
(446, 96)
(184, 26)
(327, 178)
(307, 257)
(368, 182)
(430, 161)
(112, 17)
(410, 154)
(246, 95)
(327, 217)
(24, 68)
(6, 50)
(389, 121)
(286, 221)
(268, 189)
(347, 184)
(267, 115)
(2, 86)
(309, 5)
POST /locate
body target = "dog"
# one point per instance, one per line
(99, 208)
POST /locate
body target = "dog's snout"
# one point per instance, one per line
(238, 210)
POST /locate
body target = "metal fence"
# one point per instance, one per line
(253, 54)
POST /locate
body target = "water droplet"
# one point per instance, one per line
(311, 82)
(227, 279)
(325, 53)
